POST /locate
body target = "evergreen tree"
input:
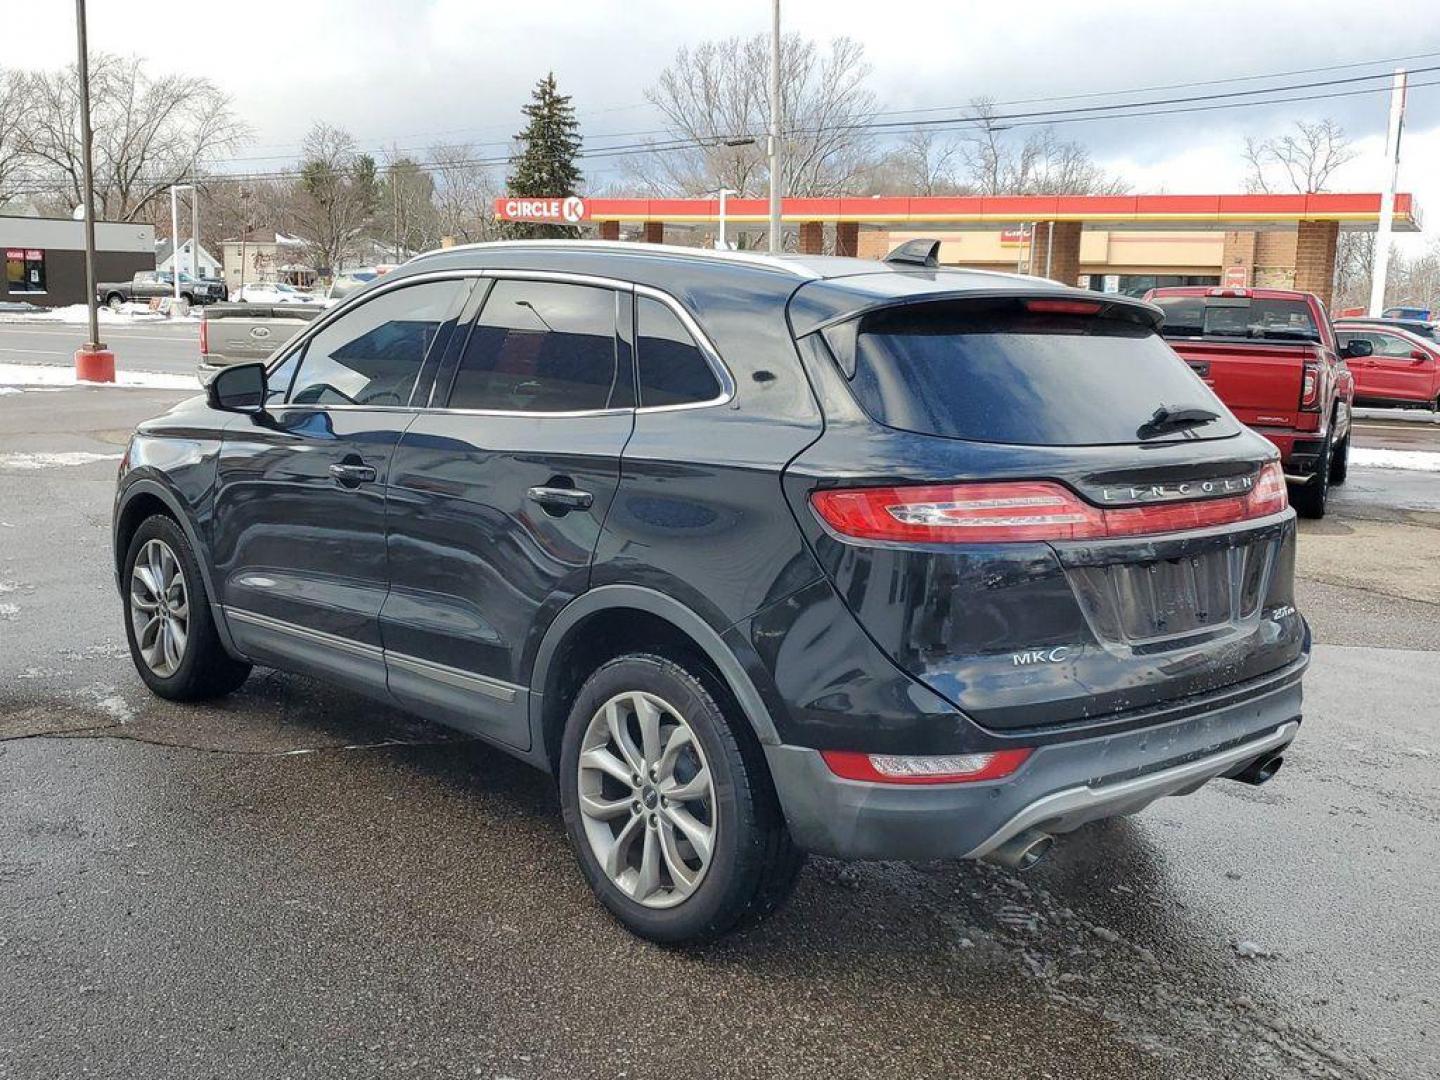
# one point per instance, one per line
(544, 162)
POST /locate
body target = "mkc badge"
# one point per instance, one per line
(1185, 489)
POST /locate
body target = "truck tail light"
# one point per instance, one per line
(204, 335)
(1310, 388)
(1029, 510)
(923, 769)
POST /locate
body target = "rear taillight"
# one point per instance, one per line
(923, 769)
(1310, 388)
(204, 335)
(1027, 510)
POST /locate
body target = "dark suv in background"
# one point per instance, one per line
(758, 556)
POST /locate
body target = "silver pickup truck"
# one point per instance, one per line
(244, 333)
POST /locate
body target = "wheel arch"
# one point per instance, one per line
(586, 628)
(143, 498)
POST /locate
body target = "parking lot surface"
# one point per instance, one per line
(295, 882)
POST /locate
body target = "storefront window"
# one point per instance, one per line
(1140, 284)
(24, 270)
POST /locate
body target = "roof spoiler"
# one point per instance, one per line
(924, 253)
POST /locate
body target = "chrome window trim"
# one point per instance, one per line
(707, 350)
(464, 680)
(702, 339)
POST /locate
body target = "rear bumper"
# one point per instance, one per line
(1059, 788)
(1299, 451)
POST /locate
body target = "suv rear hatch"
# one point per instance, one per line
(1251, 350)
(1040, 512)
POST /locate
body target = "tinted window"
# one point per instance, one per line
(372, 354)
(995, 372)
(673, 370)
(539, 347)
(1237, 317)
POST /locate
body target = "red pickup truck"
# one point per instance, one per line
(1271, 355)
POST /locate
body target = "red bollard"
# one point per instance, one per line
(94, 364)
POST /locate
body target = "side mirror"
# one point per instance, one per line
(1358, 347)
(238, 389)
(1419, 355)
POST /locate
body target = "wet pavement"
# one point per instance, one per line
(295, 882)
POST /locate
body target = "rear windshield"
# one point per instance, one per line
(1233, 317)
(996, 372)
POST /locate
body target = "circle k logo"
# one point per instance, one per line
(573, 209)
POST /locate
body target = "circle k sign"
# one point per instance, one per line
(571, 209)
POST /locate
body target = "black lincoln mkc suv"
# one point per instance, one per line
(758, 556)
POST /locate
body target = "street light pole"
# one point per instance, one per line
(82, 69)
(175, 240)
(1387, 197)
(775, 128)
(720, 242)
(195, 231)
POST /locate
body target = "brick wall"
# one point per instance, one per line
(609, 230)
(812, 238)
(873, 244)
(1315, 257)
(1065, 260)
(654, 232)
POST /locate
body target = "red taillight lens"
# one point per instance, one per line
(1027, 510)
(1063, 307)
(1310, 388)
(204, 335)
(923, 769)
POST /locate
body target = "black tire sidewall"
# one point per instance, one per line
(723, 893)
(200, 633)
(1315, 494)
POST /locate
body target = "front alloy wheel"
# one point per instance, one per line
(647, 799)
(160, 608)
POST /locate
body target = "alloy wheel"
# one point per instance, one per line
(647, 799)
(159, 608)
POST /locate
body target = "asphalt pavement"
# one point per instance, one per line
(156, 346)
(295, 882)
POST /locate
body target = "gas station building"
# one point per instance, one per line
(1111, 243)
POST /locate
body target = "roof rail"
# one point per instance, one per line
(750, 258)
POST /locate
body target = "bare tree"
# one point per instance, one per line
(715, 98)
(15, 111)
(150, 132)
(1298, 161)
(407, 206)
(1041, 164)
(1354, 265)
(464, 193)
(336, 195)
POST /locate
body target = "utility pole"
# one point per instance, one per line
(1387, 196)
(175, 240)
(775, 128)
(94, 345)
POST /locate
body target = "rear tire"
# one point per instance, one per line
(1310, 501)
(1340, 463)
(739, 864)
(115, 302)
(168, 620)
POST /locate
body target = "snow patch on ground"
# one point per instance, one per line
(53, 375)
(1418, 460)
(78, 314)
(31, 462)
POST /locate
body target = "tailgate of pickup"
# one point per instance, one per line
(1260, 383)
(245, 333)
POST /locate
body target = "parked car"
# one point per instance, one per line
(1418, 314)
(1419, 328)
(1402, 369)
(273, 292)
(149, 284)
(349, 282)
(1272, 357)
(244, 333)
(758, 556)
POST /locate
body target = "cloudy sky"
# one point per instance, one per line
(410, 72)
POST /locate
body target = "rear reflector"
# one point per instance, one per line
(1063, 307)
(924, 769)
(1027, 510)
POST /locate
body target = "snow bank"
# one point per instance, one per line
(79, 314)
(52, 461)
(1417, 460)
(53, 375)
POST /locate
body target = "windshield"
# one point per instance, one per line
(1237, 317)
(997, 372)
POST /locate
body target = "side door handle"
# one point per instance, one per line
(352, 474)
(560, 500)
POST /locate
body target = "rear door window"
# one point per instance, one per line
(541, 347)
(673, 369)
(998, 372)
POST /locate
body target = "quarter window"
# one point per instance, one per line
(372, 355)
(673, 369)
(540, 347)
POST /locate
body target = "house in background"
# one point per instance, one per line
(165, 260)
(266, 258)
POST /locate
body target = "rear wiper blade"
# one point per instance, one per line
(1175, 418)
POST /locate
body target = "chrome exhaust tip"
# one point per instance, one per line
(1022, 851)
